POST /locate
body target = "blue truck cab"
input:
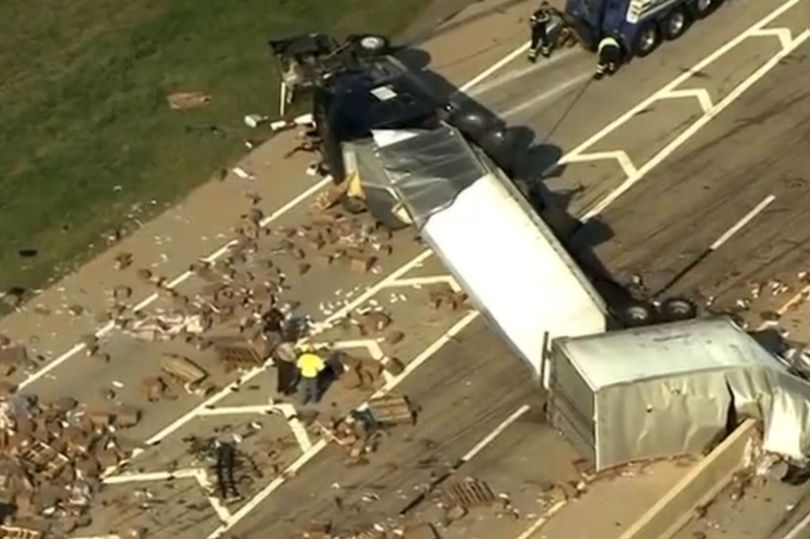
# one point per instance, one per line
(639, 25)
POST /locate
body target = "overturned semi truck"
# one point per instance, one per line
(619, 394)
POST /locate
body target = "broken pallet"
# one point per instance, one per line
(391, 410)
(467, 494)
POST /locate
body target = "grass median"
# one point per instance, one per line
(88, 140)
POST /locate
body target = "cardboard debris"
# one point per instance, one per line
(187, 100)
(391, 409)
(420, 531)
(182, 369)
(50, 458)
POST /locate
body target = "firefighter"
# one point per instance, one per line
(539, 24)
(610, 57)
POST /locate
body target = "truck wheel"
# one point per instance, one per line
(635, 315)
(648, 39)
(703, 8)
(675, 23)
(354, 205)
(675, 309)
(373, 44)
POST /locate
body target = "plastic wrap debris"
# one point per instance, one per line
(164, 328)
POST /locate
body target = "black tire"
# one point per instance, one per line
(649, 37)
(353, 205)
(372, 44)
(675, 23)
(635, 315)
(700, 9)
(677, 309)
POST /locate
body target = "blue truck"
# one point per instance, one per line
(638, 25)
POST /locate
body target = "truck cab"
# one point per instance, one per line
(639, 25)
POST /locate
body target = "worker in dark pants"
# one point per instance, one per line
(539, 23)
(610, 57)
(285, 360)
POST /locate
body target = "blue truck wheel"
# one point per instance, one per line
(648, 39)
(675, 23)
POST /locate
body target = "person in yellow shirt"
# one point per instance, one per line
(310, 367)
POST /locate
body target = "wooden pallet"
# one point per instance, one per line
(391, 409)
(45, 458)
(238, 356)
(467, 494)
(17, 532)
(182, 369)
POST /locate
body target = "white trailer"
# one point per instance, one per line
(506, 258)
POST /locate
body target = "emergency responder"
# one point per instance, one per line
(610, 57)
(539, 25)
(310, 367)
(286, 371)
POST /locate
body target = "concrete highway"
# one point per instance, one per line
(708, 156)
(694, 151)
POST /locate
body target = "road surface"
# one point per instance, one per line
(695, 149)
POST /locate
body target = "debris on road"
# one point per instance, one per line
(467, 494)
(187, 100)
(442, 294)
(183, 370)
(51, 460)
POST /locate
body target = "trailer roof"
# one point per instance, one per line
(666, 350)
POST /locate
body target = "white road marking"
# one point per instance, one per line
(747, 218)
(701, 94)
(429, 280)
(495, 67)
(319, 327)
(106, 328)
(799, 531)
(540, 522)
(263, 223)
(578, 154)
(548, 94)
(497, 431)
(623, 159)
(287, 410)
(371, 345)
(271, 487)
(519, 73)
(695, 127)
(198, 474)
(370, 292)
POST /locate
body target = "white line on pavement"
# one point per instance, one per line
(800, 530)
(497, 431)
(288, 411)
(548, 94)
(271, 487)
(228, 389)
(685, 76)
(264, 222)
(519, 73)
(418, 282)
(198, 474)
(540, 522)
(106, 328)
(688, 133)
(495, 67)
(747, 218)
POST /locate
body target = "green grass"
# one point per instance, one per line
(83, 109)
